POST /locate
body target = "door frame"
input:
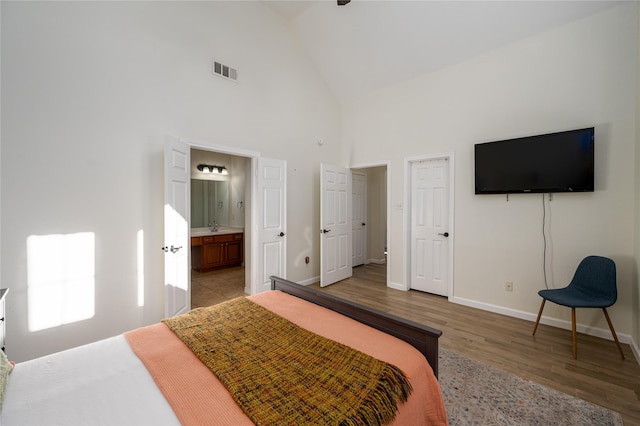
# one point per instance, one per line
(450, 156)
(251, 266)
(387, 166)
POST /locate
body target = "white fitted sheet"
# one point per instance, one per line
(103, 383)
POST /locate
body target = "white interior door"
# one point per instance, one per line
(359, 218)
(335, 224)
(272, 202)
(430, 226)
(177, 207)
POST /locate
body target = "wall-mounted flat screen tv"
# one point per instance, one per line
(554, 162)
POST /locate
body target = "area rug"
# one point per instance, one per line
(480, 394)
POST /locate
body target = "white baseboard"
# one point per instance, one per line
(309, 281)
(592, 331)
(636, 350)
(376, 261)
(397, 286)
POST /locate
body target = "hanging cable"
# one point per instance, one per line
(544, 246)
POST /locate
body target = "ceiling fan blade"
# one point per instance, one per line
(343, 2)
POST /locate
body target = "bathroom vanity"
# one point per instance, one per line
(215, 250)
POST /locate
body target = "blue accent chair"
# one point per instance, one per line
(592, 286)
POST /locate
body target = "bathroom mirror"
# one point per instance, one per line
(210, 203)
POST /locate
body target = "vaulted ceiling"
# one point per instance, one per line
(370, 44)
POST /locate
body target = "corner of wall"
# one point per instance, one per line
(636, 302)
(0, 146)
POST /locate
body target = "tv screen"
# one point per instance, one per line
(554, 162)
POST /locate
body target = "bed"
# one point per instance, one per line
(150, 377)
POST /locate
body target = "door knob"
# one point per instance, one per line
(324, 231)
(446, 234)
(174, 249)
(364, 224)
(281, 234)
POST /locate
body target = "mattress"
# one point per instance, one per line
(102, 383)
(107, 383)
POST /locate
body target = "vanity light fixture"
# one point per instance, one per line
(206, 168)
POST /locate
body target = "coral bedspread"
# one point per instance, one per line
(190, 387)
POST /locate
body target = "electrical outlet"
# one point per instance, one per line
(508, 286)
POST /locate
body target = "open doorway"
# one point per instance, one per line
(370, 215)
(263, 241)
(220, 187)
(354, 219)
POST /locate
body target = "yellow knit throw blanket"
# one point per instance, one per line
(282, 374)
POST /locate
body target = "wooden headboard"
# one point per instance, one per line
(422, 337)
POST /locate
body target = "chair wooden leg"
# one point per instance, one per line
(539, 315)
(615, 337)
(573, 330)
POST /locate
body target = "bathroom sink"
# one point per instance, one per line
(199, 232)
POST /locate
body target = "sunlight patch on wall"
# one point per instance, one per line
(140, 268)
(60, 279)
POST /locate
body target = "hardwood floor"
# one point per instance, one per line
(598, 375)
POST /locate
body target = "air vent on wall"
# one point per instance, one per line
(224, 71)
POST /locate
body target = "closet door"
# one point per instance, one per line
(335, 224)
(359, 218)
(272, 220)
(430, 226)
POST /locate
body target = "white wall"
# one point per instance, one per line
(1, 147)
(238, 184)
(582, 74)
(89, 89)
(636, 288)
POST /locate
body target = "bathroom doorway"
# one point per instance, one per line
(219, 189)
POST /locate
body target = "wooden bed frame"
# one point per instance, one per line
(422, 337)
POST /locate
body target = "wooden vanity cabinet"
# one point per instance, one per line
(216, 251)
